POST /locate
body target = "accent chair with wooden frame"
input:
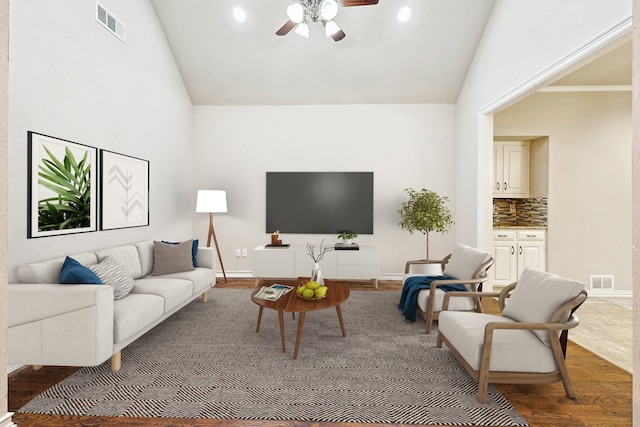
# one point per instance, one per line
(469, 267)
(526, 344)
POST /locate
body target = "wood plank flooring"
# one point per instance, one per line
(604, 392)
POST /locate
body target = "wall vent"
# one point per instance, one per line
(110, 22)
(601, 283)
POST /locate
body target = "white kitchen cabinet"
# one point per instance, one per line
(514, 250)
(511, 169)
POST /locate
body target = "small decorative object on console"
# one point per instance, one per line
(276, 241)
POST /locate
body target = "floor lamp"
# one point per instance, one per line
(211, 201)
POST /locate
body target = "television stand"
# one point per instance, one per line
(294, 261)
(346, 247)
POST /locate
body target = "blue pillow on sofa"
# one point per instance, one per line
(194, 250)
(72, 272)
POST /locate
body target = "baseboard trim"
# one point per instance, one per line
(5, 420)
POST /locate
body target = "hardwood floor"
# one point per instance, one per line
(604, 393)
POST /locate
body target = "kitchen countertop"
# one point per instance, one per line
(522, 227)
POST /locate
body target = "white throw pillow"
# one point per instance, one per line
(465, 261)
(537, 296)
(112, 273)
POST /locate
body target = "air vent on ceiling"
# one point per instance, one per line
(110, 22)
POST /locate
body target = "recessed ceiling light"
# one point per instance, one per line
(404, 14)
(239, 14)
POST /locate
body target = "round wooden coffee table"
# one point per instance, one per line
(337, 293)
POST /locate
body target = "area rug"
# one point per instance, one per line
(207, 361)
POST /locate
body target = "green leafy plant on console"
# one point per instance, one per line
(425, 211)
(347, 235)
(70, 180)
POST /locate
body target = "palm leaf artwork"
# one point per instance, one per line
(70, 180)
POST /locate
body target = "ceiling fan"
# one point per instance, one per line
(303, 12)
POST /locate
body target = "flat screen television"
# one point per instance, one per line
(320, 202)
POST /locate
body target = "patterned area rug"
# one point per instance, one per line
(207, 361)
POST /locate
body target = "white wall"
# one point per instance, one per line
(4, 210)
(404, 145)
(511, 53)
(589, 179)
(72, 79)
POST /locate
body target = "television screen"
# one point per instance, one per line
(320, 202)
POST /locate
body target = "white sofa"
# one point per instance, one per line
(82, 324)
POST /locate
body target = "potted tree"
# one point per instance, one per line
(425, 211)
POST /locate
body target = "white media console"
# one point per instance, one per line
(294, 261)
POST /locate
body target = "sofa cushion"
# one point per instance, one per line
(133, 313)
(202, 278)
(173, 291)
(511, 351)
(194, 250)
(465, 261)
(145, 253)
(126, 255)
(49, 271)
(171, 258)
(457, 303)
(113, 274)
(537, 296)
(72, 272)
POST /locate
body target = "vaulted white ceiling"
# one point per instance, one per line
(381, 61)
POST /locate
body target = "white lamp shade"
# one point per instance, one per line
(331, 28)
(302, 30)
(211, 201)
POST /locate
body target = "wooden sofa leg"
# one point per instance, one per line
(116, 362)
(205, 297)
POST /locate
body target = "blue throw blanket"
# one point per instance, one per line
(413, 285)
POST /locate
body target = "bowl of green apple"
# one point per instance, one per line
(311, 290)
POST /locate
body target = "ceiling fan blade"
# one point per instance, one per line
(288, 26)
(347, 3)
(339, 36)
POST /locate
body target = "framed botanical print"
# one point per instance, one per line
(124, 191)
(62, 190)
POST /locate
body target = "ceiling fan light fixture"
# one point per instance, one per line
(295, 12)
(404, 14)
(331, 28)
(302, 30)
(328, 9)
(239, 14)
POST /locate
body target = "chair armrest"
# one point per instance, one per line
(408, 265)
(548, 326)
(466, 294)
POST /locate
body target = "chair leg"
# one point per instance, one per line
(439, 340)
(562, 369)
(428, 323)
(485, 364)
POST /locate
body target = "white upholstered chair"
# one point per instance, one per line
(469, 268)
(526, 343)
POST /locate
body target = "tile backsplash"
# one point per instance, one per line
(530, 212)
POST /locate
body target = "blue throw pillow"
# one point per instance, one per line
(72, 272)
(194, 250)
